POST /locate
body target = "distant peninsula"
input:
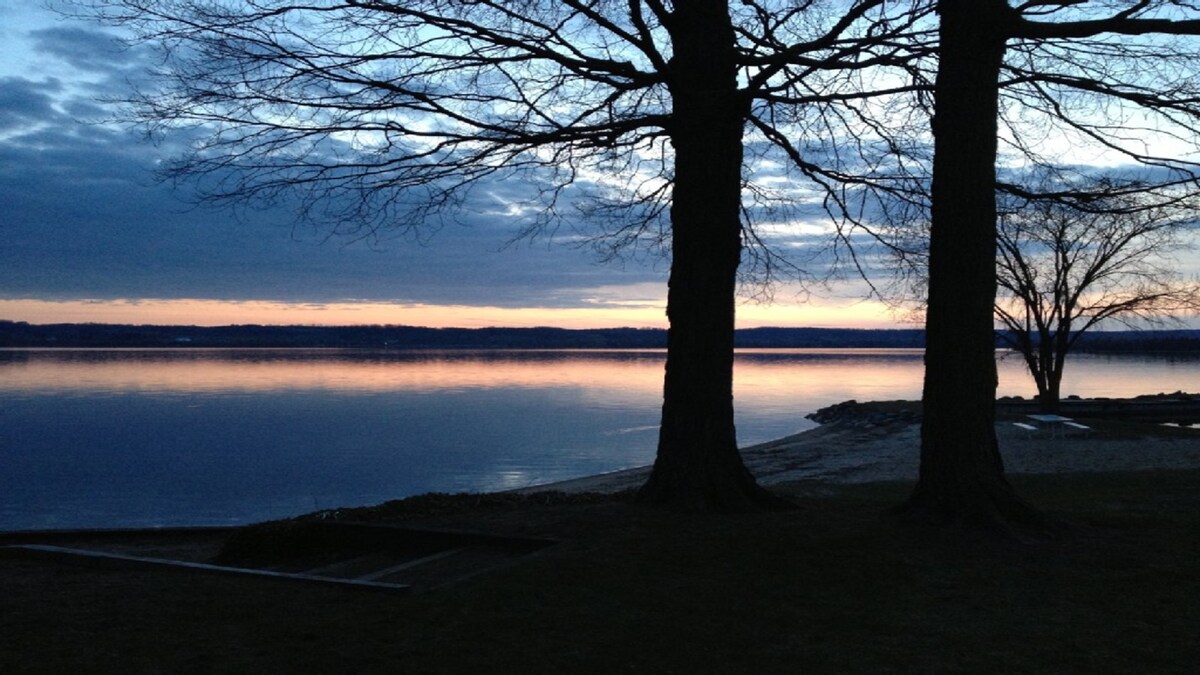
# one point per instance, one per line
(18, 334)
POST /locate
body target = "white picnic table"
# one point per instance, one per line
(1057, 423)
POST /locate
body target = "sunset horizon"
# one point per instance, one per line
(851, 315)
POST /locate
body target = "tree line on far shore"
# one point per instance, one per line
(20, 334)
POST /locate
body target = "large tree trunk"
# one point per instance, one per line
(961, 474)
(698, 466)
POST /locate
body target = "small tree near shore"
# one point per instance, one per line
(1063, 268)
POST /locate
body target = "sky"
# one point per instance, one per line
(88, 233)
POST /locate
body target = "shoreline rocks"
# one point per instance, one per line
(870, 414)
(1178, 407)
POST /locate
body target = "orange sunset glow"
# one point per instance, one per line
(200, 312)
(604, 377)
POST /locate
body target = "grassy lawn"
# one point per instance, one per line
(834, 587)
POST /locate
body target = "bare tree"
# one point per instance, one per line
(387, 113)
(1064, 268)
(1083, 70)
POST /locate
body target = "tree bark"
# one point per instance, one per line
(961, 477)
(1062, 345)
(698, 466)
(1051, 394)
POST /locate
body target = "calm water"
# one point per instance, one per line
(149, 438)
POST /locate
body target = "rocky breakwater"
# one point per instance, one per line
(869, 415)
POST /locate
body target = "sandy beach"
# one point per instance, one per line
(846, 452)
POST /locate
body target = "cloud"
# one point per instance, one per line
(87, 219)
(25, 104)
(84, 49)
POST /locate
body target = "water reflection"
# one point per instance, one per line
(361, 370)
(136, 437)
(263, 371)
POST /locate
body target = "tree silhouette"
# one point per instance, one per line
(1060, 55)
(1065, 267)
(387, 114)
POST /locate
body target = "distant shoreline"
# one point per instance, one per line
(17, 334)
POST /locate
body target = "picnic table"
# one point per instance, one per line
(1057, 423)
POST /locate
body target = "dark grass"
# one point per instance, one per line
(834, 587)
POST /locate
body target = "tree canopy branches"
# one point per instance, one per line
(345, 103)
(378, 114)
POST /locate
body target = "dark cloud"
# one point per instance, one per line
(84, 49)
(87, 219)
(85, 110)
(24, 103)
(85, 216)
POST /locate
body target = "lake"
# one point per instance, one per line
(143, 438)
